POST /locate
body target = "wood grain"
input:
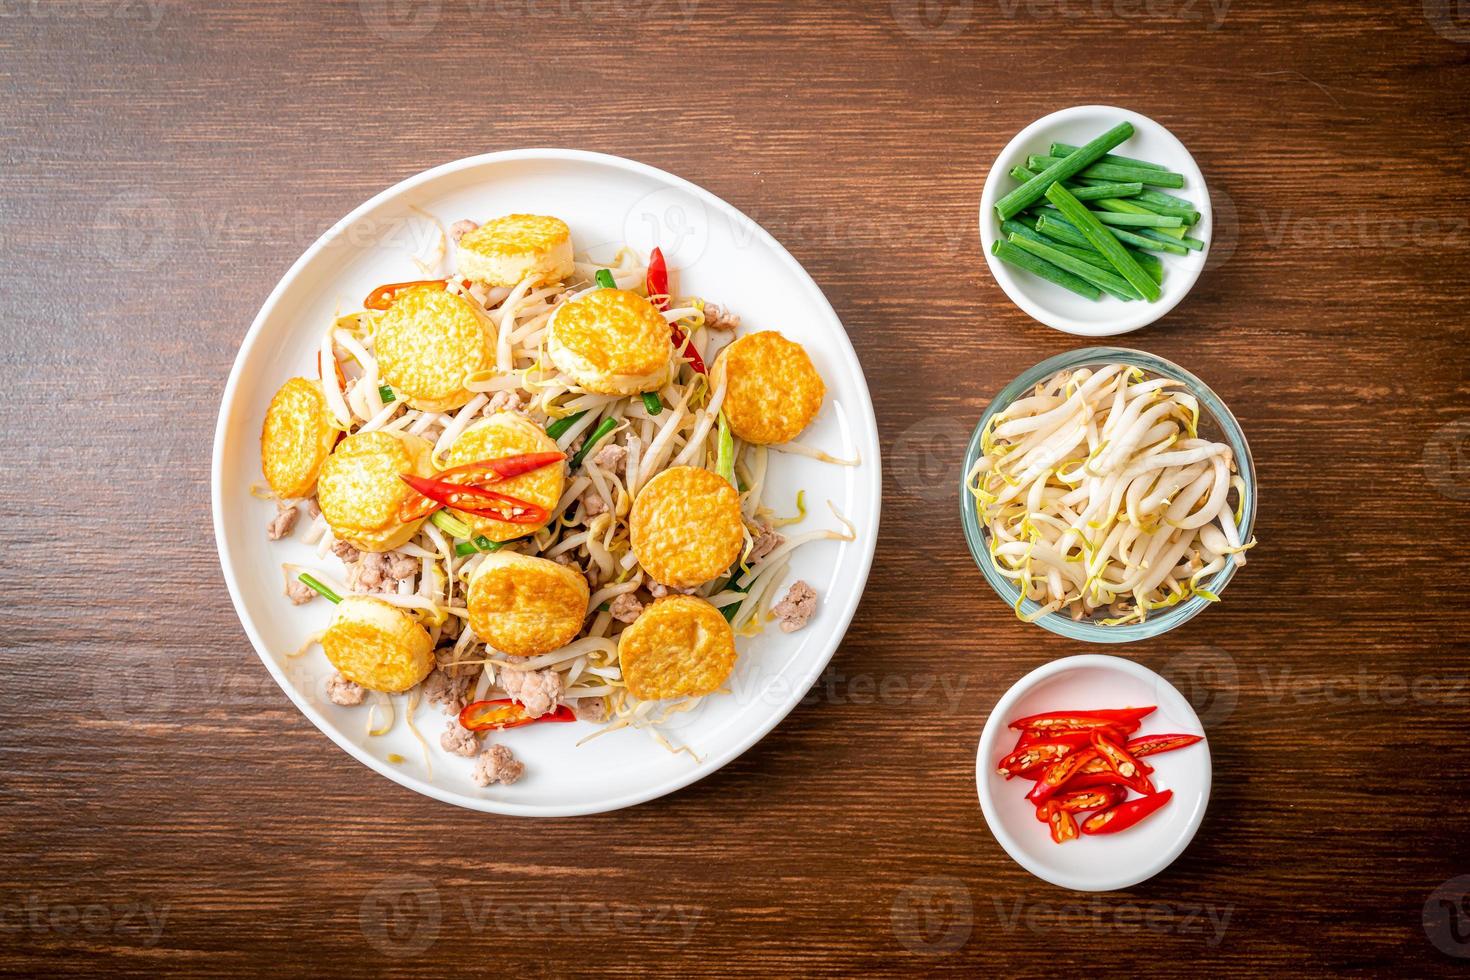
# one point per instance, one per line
(166, 810)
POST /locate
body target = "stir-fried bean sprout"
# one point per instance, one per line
(1100, 499)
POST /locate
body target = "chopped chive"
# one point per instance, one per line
(1083, 192)
(1150, 263)
(559, 428)
(725, 458)
(450, 525)
(1103, 278)
(475, 544)
(1190, 244)
(1057, 229)
(598, 434)
(605, 279)
(386, 393)
(1067, 149)
(1022, 259)
(1030, 192)
(1163, 222)
(1103, 240)
(311, 583)
(651, 403)
(1109, 171)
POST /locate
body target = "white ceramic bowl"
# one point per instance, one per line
(1060, 308)
(1111, 861)
(715, 251)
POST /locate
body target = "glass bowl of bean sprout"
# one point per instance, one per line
(1108, 495)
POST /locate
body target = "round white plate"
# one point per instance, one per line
(1110, 861)
(1060, 308)
(714, 251)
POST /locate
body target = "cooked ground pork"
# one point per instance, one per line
(377, 572)
(344, 692)
(504, 401)
(450, 692)
(297, 591)
(592, 503)
(497, 764)
(765, 543)
(625, 608)
(611, 458)
(719, 318)
(284, 521)
(461, 228)
(536, 690)
(658, 590)
(345, 551)
(459, 740)
(402, 566)
(589, 709)
(793, 611)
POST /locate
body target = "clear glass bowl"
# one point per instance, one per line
(1215, 422)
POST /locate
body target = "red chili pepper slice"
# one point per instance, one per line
(658, 279)
(1034, 754)
(1081, 721)
(1154, 744)
(1125, 815)
(1118, 758)
(1082, 800)
(683, 346)
(503, 713)
(469, 499)
(1043, 791)
(383, 297)
(1065, 768)
(504, 468)
(1063, 824)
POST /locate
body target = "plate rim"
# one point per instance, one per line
(710, 764)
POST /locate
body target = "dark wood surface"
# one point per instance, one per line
(166, 809)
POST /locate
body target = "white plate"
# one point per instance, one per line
(715, 251)
(1112, 861)
(1060, 308)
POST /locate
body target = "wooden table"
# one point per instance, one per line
(165, 809)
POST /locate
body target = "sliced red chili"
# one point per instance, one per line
(1154, 744)
(1126, 815)
(1063, 824)
(658, 279)
(1065, 768)
(1043, 791)
(1118, 758)
(383, 297)
(503, 713)
(1082, 800)
(496, 470)
(683, 346)
(1034, 754)
(1081, 721)
(469, 499)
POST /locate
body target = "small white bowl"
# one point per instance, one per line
(1113, 861)
(1062, 309)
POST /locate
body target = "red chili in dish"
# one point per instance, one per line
(1126, 815)
(503, 713)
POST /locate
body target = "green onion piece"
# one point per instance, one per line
(598, 434)
(1103, 240)
(1059, 233)
(559, 428)
(1083, 192)
(477, 543)
(1108, 171)
(725, 459)
(652, 403)
(1067, 149)
(605, 279)
(1159, 201)
(1062, 230)
(311, 583)
(386, 393)
(1104, 278)
(1030, 192)
(1022, 259)
(450, 525)
(1160, 221)
(1190, 244)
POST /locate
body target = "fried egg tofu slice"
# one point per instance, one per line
(523, 605)
(772, 391)
(360, 493)
(297, 437)
(508, 434)
(612, 342)
(507, 250)
(427, 343)
(685, 527)
(679, 647)
(378, 645)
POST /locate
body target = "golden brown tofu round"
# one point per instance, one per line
(611, 341)
(772, 391)
(523, 606)
(679, 647)
(377, 645)
(506, 250)
(508, 434)
(685, 527)
(427, 343)
(298, 435)
(360, 492)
